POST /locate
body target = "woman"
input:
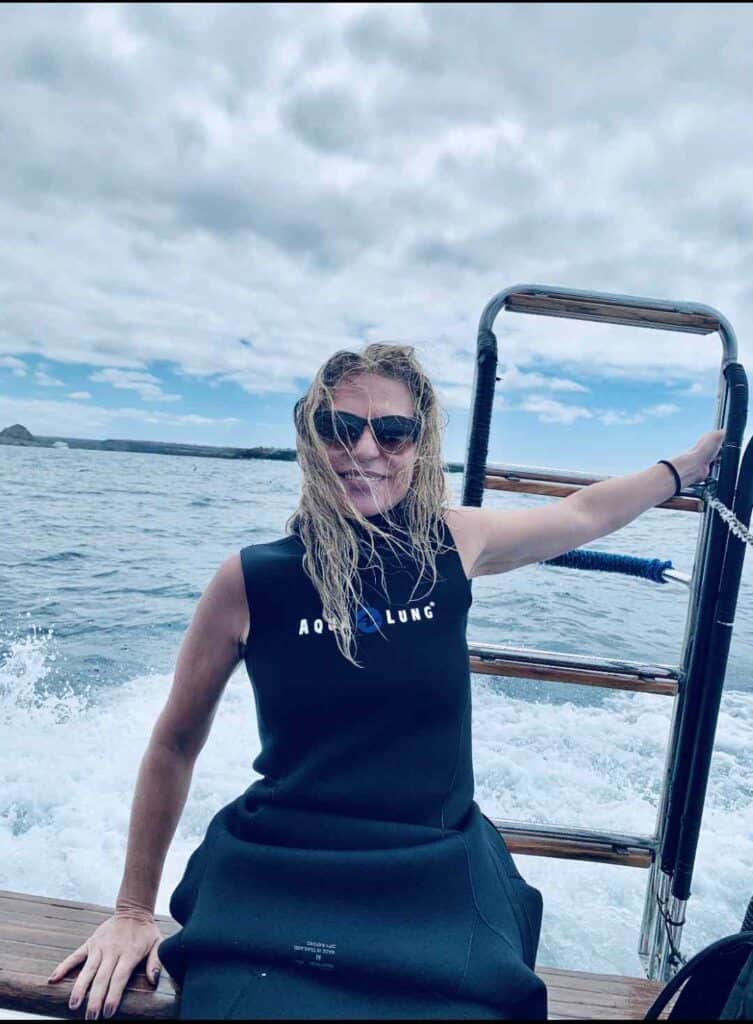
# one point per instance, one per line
(357, 877)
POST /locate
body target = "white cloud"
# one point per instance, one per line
(617, 417)
(514, 379)
(613, 417)
(663, 409)
(694, 389)
(374, 171)
(17, 367)
(45, 417)
(146, 384)
(44, 379)
(548, 410)
(78, 396)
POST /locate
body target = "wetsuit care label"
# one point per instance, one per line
(316, 954)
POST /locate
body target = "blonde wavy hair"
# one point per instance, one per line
(324, 514)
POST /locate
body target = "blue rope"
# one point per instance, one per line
(603, 561)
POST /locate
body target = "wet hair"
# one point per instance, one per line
(325, 518)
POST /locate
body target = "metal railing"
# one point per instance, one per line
(670, 852)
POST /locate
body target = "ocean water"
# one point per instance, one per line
(103, 557)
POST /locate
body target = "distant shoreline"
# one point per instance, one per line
(27, 440)
(21, 437)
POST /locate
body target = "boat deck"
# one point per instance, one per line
(36, 933)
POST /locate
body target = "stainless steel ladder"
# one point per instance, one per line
(669, 852)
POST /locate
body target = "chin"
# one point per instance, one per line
(371, 505)
(366, 505)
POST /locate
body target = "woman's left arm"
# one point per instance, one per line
(499, 540)
(611, 504)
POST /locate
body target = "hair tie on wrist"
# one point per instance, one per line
(676, 475)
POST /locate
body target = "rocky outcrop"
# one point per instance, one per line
(17, 433)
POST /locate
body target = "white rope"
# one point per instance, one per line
(733, 523)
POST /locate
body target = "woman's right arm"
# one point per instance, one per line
(207, 657)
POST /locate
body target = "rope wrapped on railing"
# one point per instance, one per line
(604, 561)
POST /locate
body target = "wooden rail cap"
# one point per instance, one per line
(611, 310)
(561, 674)
(559, 490)
(575, 849)
(36, 933)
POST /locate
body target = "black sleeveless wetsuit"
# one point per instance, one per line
(357, 878)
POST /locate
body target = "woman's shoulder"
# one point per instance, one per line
(261, 568)
(463, 528)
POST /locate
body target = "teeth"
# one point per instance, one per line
(358, 476)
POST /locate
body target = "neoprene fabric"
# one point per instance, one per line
(357, 878)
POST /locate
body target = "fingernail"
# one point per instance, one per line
(155, 976)
(74, 1002)
(109, 1011)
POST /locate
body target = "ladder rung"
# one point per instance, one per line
(609, 309)
(557, 490)
(572, 844)
(589, 670)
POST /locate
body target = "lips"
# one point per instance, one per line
(361, 476)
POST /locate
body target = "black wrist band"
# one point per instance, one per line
(676, 475)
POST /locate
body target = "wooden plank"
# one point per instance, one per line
(580, 677)
(31, 944)
(31, 964)
(579, 995)
(571, 849)
(560, 978)
(556, 490)
(37, 932)
(29, 992)
(33, 911)
(583, 308)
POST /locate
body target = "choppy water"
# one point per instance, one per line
(103, 557)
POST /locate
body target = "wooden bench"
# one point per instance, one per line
(36, 933)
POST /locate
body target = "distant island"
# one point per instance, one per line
(17, 434)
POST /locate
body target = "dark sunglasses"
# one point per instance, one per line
(391, 432)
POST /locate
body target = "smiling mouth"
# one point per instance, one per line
(361, 476)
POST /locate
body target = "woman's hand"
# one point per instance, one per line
(694, 466)
(111, 953)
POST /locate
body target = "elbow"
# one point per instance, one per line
(588, 525)
(185, 745)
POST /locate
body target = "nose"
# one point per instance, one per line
(367, 447)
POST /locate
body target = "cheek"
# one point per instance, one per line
(404, 464)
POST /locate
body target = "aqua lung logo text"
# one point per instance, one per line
(371, 620)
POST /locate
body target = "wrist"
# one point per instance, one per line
(686, 466)
(125, 907)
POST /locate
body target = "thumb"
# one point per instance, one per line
(153, 964)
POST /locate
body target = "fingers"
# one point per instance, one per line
(99, 987)
(76, 957)
(118, 982)
(83, 981)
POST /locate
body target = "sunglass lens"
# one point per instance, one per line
(395, 432)
(336, 426)
(391, 432)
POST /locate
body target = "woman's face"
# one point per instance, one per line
(388, 474)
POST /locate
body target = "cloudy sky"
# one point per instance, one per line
(200, 203)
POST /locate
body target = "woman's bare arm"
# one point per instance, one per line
(206, 659)
(207, 656)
